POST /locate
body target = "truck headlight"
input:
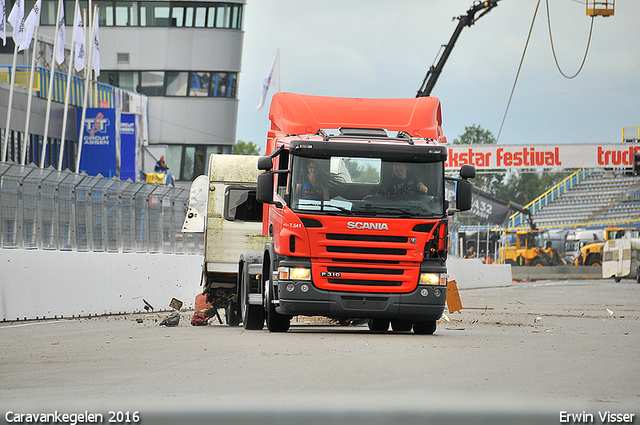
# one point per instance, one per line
(294, 273)
(433, 279)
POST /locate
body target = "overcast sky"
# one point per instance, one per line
(383, 49)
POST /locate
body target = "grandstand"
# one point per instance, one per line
(596, 198)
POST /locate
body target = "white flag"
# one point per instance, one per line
(268, 80)
(96, 50)
(3, 23)
(61, 34)
(16, 19)
(78, 38)
(30, 24)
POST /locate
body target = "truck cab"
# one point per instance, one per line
(354, 213)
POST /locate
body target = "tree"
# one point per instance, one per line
(475, 135)
(242, 148)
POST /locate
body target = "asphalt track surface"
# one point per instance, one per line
(527, 353)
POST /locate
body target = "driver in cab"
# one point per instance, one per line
(403, 182)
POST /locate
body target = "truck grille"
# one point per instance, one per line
(366, 261)
(367, 238)
(366, 250)
(367, 270)
(352, 248)
(365, 282)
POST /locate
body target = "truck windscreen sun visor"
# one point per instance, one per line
(401, 152)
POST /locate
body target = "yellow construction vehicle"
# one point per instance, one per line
(527, 247)
(591, 255)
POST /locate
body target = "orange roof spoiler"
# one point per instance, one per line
(303, 114)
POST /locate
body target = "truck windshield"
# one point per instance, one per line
(367, 187)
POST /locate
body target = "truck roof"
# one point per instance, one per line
(294, 113)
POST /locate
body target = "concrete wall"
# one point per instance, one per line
(49, 284)
(470, 274)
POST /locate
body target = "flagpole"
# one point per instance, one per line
(50, 94)
(86, 89)
(279, 69)
(72, 54)
(13, 82)
(25, 145)
(66, 99)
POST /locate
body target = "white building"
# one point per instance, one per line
(184, 55)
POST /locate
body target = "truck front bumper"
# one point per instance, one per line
(426, 302)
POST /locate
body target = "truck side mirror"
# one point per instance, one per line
(468, 171)
(264, 191)
(463, 195)
(264, 163)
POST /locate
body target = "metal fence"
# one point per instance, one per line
(60, 210)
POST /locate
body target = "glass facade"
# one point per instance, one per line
(174, 83)
(150, 13)
(186, 162)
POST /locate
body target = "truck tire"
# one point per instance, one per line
(378, 325)
(401, 325)
(539, 262)
(252, 315)
(276, 322)
(427, 327)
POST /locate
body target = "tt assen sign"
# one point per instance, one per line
(542, 156)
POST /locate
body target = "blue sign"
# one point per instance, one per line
(100, 148)
(128, 147)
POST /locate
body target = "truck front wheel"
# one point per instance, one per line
(252, 315)
(377, 324)
(427, 327)
(276, 322)
(539, 262)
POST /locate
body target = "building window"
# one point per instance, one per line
(201, 17)
(177, 83)
(105, 13)
(223, 84)
(152, 83)
(154, 14)
(199, 84)
(126, 14)
(188, 162)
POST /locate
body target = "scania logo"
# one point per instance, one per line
(367, 226)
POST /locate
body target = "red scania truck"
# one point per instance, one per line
(354, 208)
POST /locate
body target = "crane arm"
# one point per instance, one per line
(517, 207)
(463, 21)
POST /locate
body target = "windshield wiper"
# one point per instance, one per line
(344, 210)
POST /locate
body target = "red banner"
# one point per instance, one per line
(500, 157)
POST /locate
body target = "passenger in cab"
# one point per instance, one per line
(312, 188)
